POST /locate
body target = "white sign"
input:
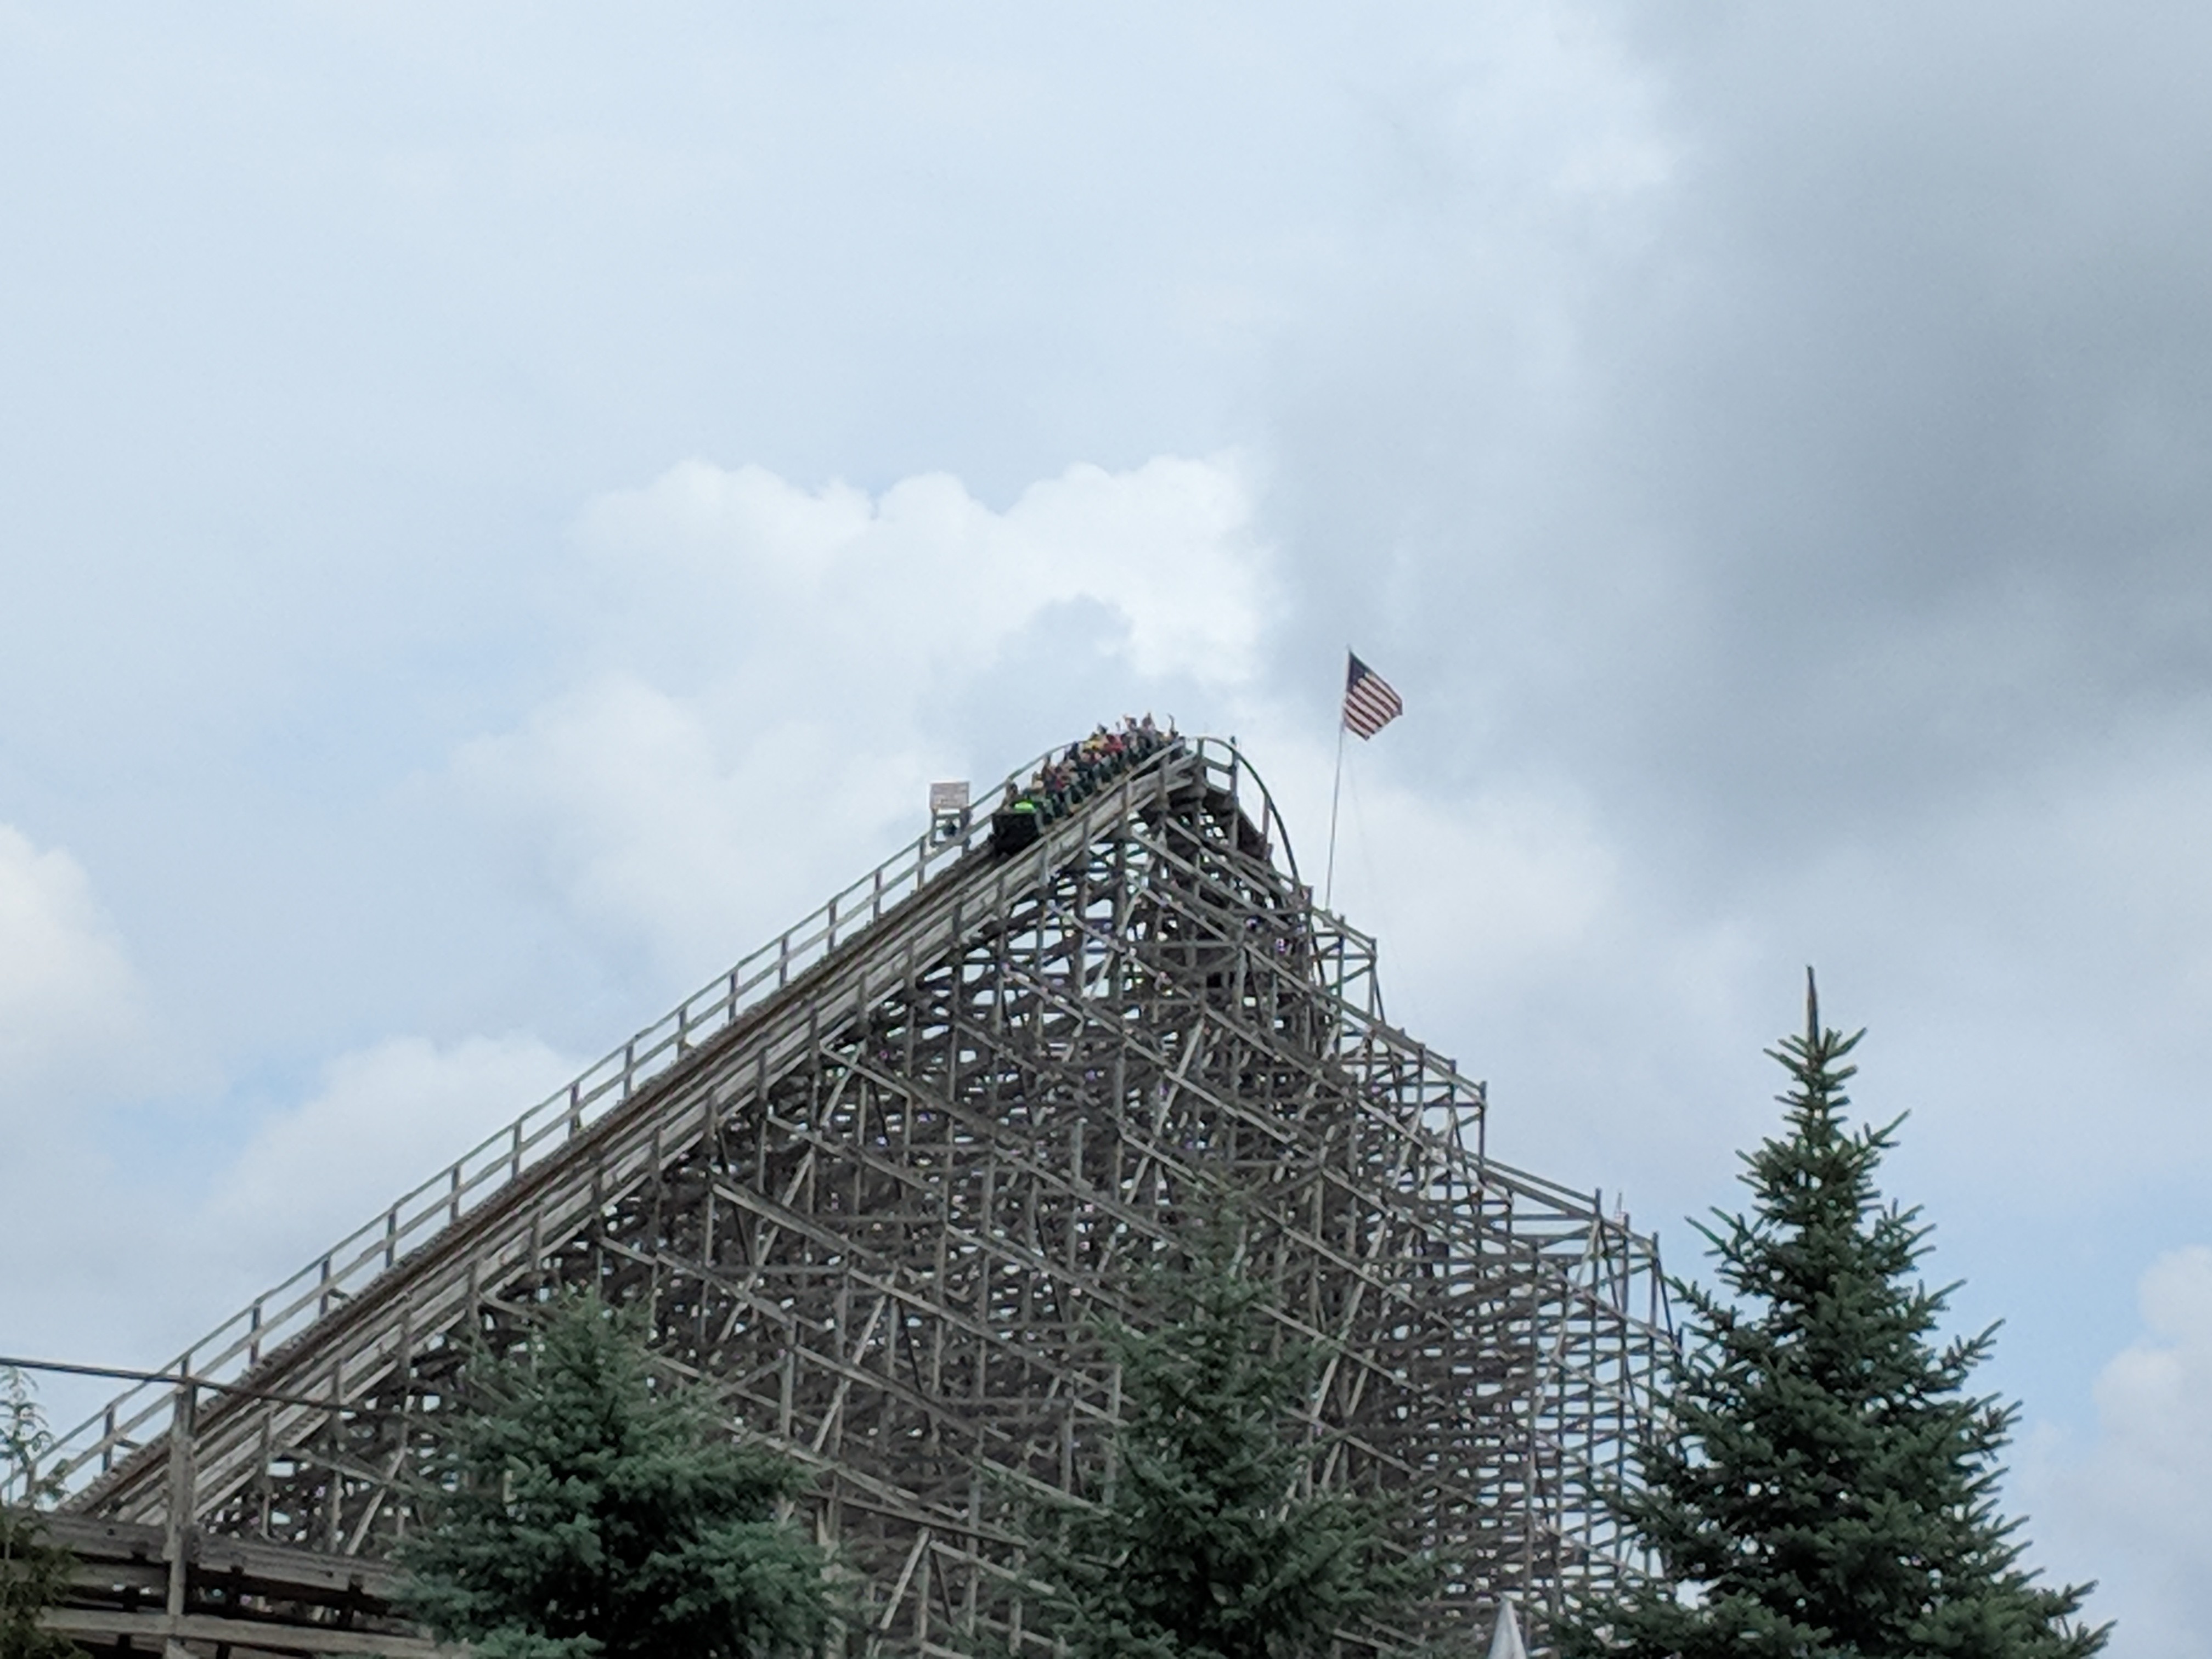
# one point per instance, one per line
(948, 811)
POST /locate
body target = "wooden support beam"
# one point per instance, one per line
(882, 1208)
(240, 1636)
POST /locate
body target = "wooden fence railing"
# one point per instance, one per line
(227, 1353)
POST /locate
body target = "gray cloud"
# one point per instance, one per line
(1768, 449)
(1881, 428)
(1821, 504)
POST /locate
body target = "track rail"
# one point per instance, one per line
(913, 893)
(869, 1182)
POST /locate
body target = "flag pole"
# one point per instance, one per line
(1328, 884)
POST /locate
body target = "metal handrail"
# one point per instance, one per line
(138, 1415)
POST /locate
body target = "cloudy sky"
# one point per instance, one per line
(502, 507)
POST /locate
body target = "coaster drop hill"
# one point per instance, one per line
(877, 1182)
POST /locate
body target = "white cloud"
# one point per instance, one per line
(1530, 879)
(774, 671)
(1512, 879)
(73, 1032)
(67, 992)
(385, 1119)
(2135, 1508)
(72, 1026)
(651, 825)
(926, 579)
(170, 1258)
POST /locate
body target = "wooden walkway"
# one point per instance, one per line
(144, 1590)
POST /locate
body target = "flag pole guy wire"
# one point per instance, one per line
(1369, 705)
(1336, 789)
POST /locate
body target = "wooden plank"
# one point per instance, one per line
(265, 1568)
(252, 1635)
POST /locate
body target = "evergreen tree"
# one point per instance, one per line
(1206, 1542)
(587, 1512)
(1828, 1486)
(34, 1575)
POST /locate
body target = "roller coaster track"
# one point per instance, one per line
(876, 1182)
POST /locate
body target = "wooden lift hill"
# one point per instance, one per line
(876, 1184)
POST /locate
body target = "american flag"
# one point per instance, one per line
(1370, 704)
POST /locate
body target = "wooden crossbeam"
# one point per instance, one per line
(881, 1208)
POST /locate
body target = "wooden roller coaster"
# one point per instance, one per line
(876, 1184)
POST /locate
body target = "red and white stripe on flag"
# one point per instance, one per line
(1370, 704)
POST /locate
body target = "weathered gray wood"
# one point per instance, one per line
(879, 1210)
(103, 1545)
(239, 1635)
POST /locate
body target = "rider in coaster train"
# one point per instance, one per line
(1060, 784)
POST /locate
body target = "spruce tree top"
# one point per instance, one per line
(589, 1512)
(1828, 1485)
(1208, 1541)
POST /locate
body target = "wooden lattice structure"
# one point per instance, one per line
(877, 1182)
